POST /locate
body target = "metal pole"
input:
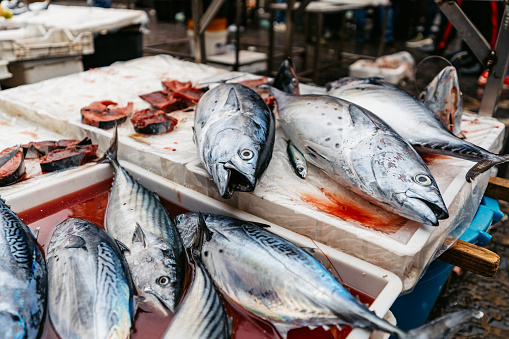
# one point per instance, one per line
(199, 43)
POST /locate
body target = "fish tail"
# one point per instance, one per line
(484, 165)
(444, 326)
(111, 154)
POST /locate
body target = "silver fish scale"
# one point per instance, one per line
(202, 314)
(23, 278)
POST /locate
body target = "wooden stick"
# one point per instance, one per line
(472, 258)
(498, 188)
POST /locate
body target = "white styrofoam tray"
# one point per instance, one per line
(401, 246)
(370, 279)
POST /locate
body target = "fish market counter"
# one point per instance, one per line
(316, 207)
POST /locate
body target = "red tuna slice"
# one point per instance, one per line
(101, 114)
(254, 82)
(40, 148)
(151, 121)
(191, 94)
(69, 157)
(176, 86)
(164, 100)
(12, 165)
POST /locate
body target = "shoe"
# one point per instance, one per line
(418, 41)
(483, 78)
(428, 48)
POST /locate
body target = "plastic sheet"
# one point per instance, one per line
(317, 207)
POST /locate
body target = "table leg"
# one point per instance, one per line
(318, 37)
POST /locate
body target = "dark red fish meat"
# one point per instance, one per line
(69, 157)
(254, 82)
(191, 94)
(38, 149)
(105, 114)
(12, 165)
(165, 100)
(151, 121)
(175, 85)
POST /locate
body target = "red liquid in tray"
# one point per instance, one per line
(90, 204)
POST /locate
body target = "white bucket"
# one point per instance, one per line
(215, 42)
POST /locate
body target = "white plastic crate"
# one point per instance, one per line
(56, 42)
(368, 68)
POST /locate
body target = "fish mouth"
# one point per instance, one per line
(228, 179)
(155, 303)
(428, 209)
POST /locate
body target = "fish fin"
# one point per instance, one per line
(326, 327)
(232, 102)
(203, 233)
(85, 141)
(138, 235)
(309, 250)
(111, 154)
(283, 328)
(194, 135)
(35, 232)
(122, 246)
(137, 301)
(358, 117)
(76, 241)
(259, 224)
(485, 165)
(444, 326)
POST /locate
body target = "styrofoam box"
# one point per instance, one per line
(249, 61)
(370, 279)
(367, 68)
(32, 71)
(56, 42)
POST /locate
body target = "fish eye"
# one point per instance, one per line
(422, 96)
(294, 81)
(163, 281)
(300, 168)
(246, 154)
(423, 179)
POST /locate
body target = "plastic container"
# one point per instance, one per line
(216, 37)
(367, 278)
(411, 310)
(56, 42)
(367, 68)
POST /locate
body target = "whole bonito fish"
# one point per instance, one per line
(23, 278)
(362, 153)
(90, 289)
(443, 96)
(202, 314)
(234, 132)
(413, 120)
(286, 79)
(280, 282)
(153, 250)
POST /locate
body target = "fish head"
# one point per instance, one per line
(13, 325)
(286, 78)
(154, 271)
(232, 161)
(403, 180)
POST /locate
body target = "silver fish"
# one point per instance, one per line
(362, 153)
(234, 132)
(136, 218)
(280, 282)
(90, 289)
(413, 120)
(286, 79)
(23, 278)
(443, 96)
(297, 160)
(202, 314)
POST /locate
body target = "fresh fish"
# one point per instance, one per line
(413, 121)
(280, 282)
(234, 132)
(202, 314)
(12, 165)
(297, 160)
(443, 96)
(154, 253)
(362, 153)
(23, 278)
(286, 79)
(90, 289)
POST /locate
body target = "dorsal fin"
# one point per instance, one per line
(138, 235)
(309, 250)
(259, 224)
(232, 102)
(360, 118)
(122, 246)
(202, 233)
(36, 232)
(76, 241)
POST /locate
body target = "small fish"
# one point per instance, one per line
(90, 289)
(362, 153)
(280, 282)
(23, 278)
(202, 314)
(153, 250)
(414, 121)
(286, 79)
(297, 160)
(234, 132)
(443, 96)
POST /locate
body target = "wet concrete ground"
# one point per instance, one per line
(464, 291)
